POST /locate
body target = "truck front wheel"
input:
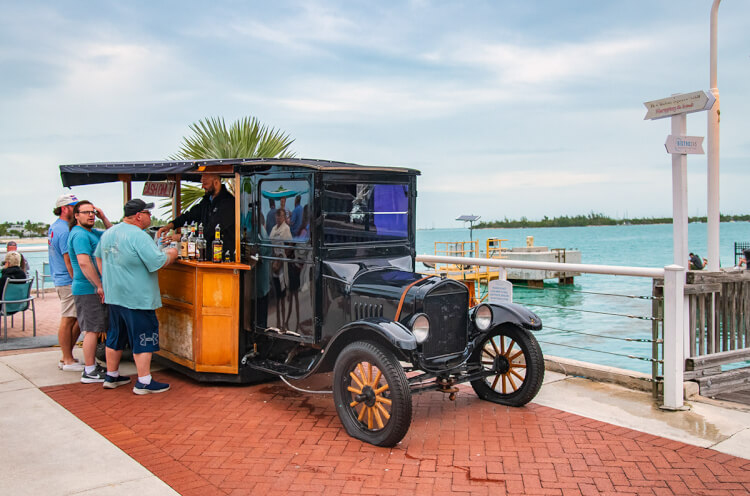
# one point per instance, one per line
(372, 394)
(514, 364)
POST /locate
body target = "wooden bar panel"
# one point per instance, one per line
(199, 319)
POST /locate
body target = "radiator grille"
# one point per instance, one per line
(447, 308)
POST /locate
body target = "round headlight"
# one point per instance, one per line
(483, 317)
(420, 326)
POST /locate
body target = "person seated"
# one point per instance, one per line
(11, 268)
(695, 262)
(12, 246)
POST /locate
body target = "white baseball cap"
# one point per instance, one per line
(63, 200)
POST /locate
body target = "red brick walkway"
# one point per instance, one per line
(268, 439)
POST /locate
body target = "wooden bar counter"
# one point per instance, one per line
(199, 317)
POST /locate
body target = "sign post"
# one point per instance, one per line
(676, 346)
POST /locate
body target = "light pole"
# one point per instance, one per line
(713, 213)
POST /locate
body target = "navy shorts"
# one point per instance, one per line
(140, 327)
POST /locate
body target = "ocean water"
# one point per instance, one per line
(641, 246)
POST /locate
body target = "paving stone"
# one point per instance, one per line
(268, 439)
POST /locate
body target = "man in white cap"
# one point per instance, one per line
(62, 277)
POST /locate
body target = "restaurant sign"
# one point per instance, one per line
(684, 144)
(158, 188)
(685, 103)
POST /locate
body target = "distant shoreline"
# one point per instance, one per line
(25, 241)
(596, 219)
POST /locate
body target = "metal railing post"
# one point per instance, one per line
(674, 336)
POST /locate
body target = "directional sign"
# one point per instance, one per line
(685, 103)
(684, 144)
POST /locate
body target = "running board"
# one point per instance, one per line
(278, 368)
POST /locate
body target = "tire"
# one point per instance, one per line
(372, 395)
(516, 358)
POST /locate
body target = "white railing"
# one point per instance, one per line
(674, 306)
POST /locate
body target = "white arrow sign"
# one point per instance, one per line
(685, 103)
(684, 144)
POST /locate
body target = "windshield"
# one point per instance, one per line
(365, 212)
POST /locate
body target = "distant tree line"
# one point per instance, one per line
(22, 229)
(29, 229)
(594, 219)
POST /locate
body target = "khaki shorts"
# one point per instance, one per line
(67, 303)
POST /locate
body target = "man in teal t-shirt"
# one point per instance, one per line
(87, 287)
(129, 259)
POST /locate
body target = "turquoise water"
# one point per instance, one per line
(640, 246)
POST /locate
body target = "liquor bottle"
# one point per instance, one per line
(191, 242)
(172, 242)
(217, 246)
(200, 245)
(184, 244)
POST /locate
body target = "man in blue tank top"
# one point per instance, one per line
(62, 277)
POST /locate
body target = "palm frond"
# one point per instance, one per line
(245, 138)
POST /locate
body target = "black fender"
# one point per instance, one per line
(376, 329)
(510, 313)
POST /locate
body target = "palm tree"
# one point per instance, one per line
(245, 138)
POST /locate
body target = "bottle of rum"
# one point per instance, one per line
(200, 245)
(184, 244)
(191, 242)
(217, 246)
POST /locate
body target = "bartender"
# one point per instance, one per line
(216, 207)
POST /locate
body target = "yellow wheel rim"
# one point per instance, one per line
(509, 381)
(368, 389)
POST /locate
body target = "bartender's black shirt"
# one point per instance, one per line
(210, 212)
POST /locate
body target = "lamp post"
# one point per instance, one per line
(712, 152)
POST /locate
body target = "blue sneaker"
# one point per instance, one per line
(153, 387)
(113, 382)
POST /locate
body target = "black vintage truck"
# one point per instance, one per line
(325, 280)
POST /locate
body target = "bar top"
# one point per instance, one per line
(217, 266)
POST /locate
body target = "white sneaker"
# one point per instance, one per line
(73, 367)
(61, 363)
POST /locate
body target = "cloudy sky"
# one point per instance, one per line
(509, 108)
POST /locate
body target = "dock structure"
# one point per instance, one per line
(480, 276)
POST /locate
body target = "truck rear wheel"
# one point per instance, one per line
(372, 394)
(515, 364)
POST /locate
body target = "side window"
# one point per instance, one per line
(246, 203)
(285, 210)
(365, 212)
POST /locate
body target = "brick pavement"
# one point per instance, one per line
(267, 439)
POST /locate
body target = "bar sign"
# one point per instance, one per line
(158, 188)
(687, 145)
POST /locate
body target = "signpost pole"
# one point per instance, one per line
(680, 219)
(712, 211)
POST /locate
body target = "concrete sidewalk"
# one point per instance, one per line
(47, 450)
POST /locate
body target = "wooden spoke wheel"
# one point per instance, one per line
(372, 394)
(514, 364)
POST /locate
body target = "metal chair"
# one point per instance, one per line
(46, 276)
(16, 297)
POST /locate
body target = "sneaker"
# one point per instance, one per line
(72, 367)
(60, 364)
(97, 375)
(113, 382)
(153, 387)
